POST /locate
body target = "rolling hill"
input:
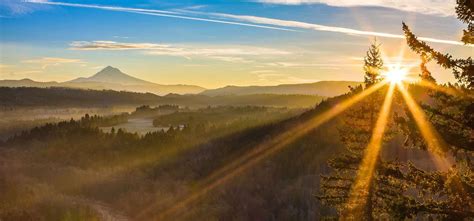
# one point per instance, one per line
(74, 97)
(321, 88)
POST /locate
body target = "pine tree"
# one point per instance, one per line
(356, 132)
(463, 69)
(444, 195)
(465, 11)
(425, 74)
(373, 64)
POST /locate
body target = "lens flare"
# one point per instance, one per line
(396, 74)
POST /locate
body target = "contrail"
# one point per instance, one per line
(160, 13)
(317, 27)
(247, 20)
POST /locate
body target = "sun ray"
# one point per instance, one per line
(359, 194)
(433, 140)
(259, 153)
(442, 89)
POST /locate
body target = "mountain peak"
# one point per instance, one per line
(112, 75)
(109, 70)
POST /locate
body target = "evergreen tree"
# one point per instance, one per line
(444, 195)
(463, 69)
(465, 11)
(373, 64)
(356, 132)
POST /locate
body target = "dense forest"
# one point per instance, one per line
(129, 172)
(68, 97)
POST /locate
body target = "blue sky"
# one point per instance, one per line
(216, 43)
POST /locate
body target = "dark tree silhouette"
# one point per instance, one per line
(356, 133)
(445, 195)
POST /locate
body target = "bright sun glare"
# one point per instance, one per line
(396, 74)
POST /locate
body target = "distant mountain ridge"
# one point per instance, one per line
(112, 78)
(321, 88)
(109, 78)
(111, 75)
(74, 97)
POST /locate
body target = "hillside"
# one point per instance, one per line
(170, 166)
(112, 79)
(321, 88)
(70, 97)
(232, 154)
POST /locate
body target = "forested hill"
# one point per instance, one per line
(281, 184)
(68, 97)
(165, 168)
(321, 88)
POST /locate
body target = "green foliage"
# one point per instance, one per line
(75, 158)
(68, 97)
(463, 69)
(465, 12)
(222, 116)
(355, 133)
(373, 64)
(449, 108)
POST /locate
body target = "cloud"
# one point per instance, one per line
(252, 21)
(52, 61)
(302, 65)
(231, 53)
(317, 27)
(28, 72)
(4, 66)
(122, 37)
(262, 71)
(11, 71)
(17, 7)
(113, 45)
(111, 8)
(283, 78)
(431, 7)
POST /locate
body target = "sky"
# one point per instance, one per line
(217, 43)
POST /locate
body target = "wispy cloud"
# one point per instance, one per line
(4, 66)
(432, 7)
(113, 45)
(122, 37)
(283, 78)
(111, 8)
(17, 7)
(304, 65)
(250, 21)
(51, 61)
(12, 71)
(27, 72)
(262, 71)
(232, 53)
(317, 27)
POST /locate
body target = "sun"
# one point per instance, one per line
(396, 74)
